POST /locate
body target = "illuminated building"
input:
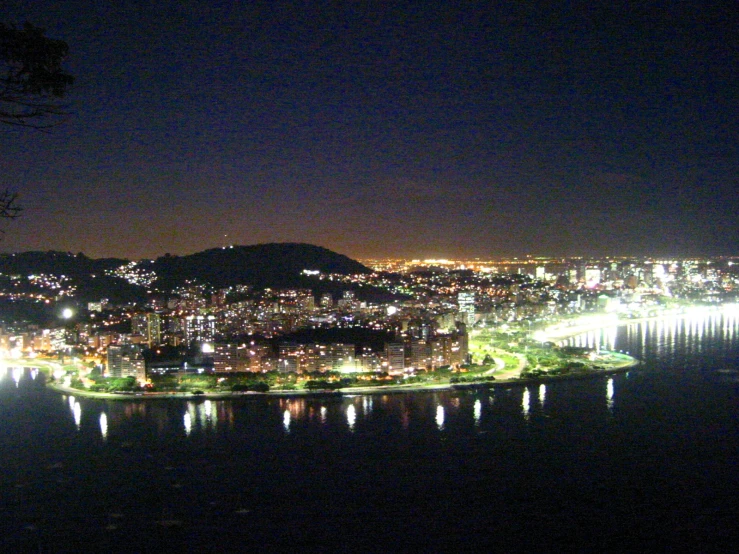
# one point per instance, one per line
(149, 326)
(231, 357)
(289, 357)
(420, 354)
(395, 356)
(367, 360)
(97, 306)
(466, 302)
(347, 301)
(200, 328)
(126, 360)
(592, 276)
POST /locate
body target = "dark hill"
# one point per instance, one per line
(86, 275)
(56, 263)
(276, 265)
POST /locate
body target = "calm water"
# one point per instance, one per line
(644, 461)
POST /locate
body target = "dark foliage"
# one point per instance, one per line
(32, 80)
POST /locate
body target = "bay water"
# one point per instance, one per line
(641, 461)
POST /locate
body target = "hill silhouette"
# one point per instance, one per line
(275, 265)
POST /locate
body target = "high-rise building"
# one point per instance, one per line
(441, 351)
(126, 360)
(231, 357)
(149, 326)
(466, 302)
(341, 355)
(367, 360)
(420, 354)
(593, 276)
(460, 344)
(261, 358)
(200, 328)
(306, 301)
(395, 356)
(290, 356)
(348, 301)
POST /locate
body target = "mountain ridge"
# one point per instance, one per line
(260, 265)
(265, 265)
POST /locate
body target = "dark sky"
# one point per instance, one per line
(418, 129)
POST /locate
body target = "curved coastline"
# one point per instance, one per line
(556, 335)
(559, 334)
(382, 389)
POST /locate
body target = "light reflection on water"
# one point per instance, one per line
(440, 417)
(286, 418)
(404, 412)
(452, 453)
(187, 420)
(104, 425)
(298, 416)
(77, 413)
(609, 393)
(17, 373)
(526, 403)
(367, 404)
(687, 334)
(351, 416)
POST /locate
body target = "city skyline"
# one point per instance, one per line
(384, 131)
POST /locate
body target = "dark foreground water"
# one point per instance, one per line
(644, 461)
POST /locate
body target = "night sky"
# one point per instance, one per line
(407, 129)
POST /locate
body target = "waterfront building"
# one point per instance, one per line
(317, 357)
(395, 356)
(289, 357)
(231, 357)
(126, 360)
(42, 341)
(367, 360)
(420, 354)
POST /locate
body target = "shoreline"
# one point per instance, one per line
(557, 335)
(339, 393)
